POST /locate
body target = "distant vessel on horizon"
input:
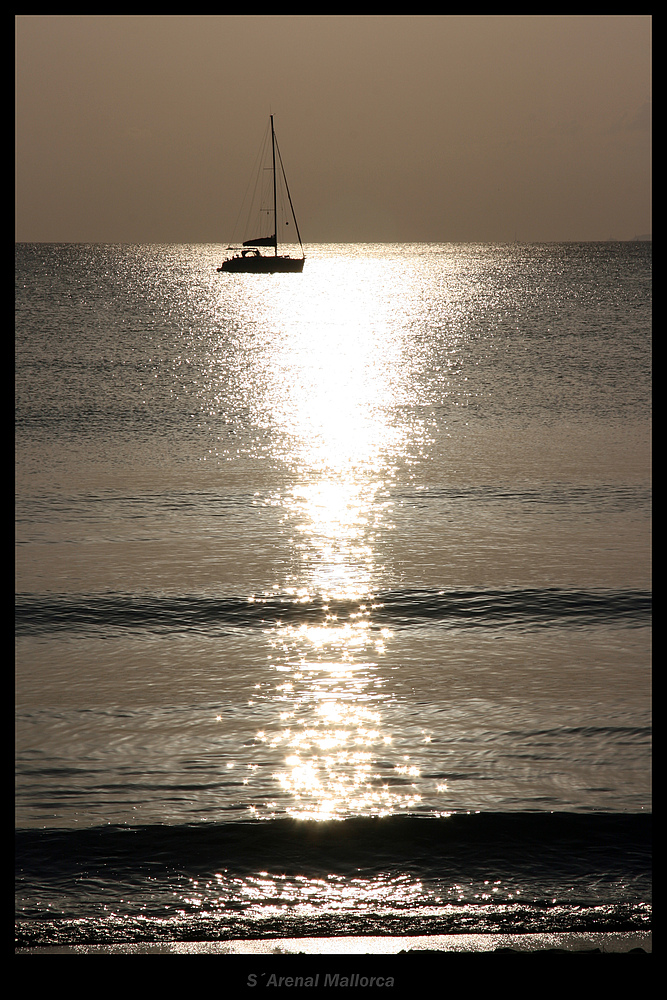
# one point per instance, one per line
(248, 259)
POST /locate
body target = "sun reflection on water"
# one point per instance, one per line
(332, 361)
(328, 730)
(265, 895)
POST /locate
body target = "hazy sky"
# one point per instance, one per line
(435, 128)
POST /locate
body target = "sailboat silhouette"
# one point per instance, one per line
(248, 257)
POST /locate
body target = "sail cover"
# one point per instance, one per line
(261, 241)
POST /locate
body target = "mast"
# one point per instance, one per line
(275, 204)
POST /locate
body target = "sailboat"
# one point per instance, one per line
(248, 258)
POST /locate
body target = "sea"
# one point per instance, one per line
(333, 593)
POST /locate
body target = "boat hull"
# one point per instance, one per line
(262, 265)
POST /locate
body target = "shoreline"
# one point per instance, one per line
(613, 942)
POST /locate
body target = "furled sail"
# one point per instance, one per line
(261, 241)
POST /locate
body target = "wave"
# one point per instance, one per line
(609, 497)
(518, 918)
(520, 608)
(571, 842)
(373, 876)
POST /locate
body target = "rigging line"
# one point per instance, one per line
(254, 175)
(289, 195)
(258, 199)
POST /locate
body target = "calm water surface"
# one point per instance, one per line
(370, 541)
